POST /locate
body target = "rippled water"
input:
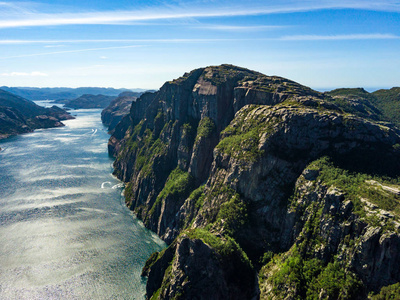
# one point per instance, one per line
(65, 232)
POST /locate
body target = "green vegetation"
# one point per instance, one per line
(388, 101)
(351, 92)
(358, 185)
(156, 295)
(267, 257)
(198, 196)
(297, 274)
(356, 101)
(145, 147)
(178, 185)
(225, 246)
(151, 261)
(150, 150)
(309, 278)
(384, 104)
(233, 215)
(335, 282)
(311, 236)
(241, 138)
(221, 74)
(391, 292)
(188, 134)
(206, 128)
(128, 191)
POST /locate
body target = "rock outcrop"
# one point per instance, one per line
(250, 175)
(18, 115)
(117, 109)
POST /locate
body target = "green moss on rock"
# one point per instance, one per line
(178, 185)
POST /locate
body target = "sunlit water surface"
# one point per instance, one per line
(64, 230)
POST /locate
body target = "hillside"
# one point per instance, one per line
(117, 109)
(388, 101)
(89, 101)
(18, 115)
(261, 187)
(61, 93)
(380, 105)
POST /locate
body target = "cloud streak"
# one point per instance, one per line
(27, 42)
(240, 28)
(70, 51)
(344, 37)
(24, 74)
(34, 19)
(293, 38)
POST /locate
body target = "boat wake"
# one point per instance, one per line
(106, 185)
(119, 185)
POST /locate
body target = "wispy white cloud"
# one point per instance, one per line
(63, 43)
(240, 28)
(212, 9)
(24, 74)
(70, 51)
(373, 36)
(94, 41)
(51, 46)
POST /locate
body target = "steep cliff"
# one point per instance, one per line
(18, 115)
(233, 169)
(117, 109)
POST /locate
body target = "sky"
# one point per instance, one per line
(323, 44)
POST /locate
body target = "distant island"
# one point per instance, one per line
(264, 188)
(88, 101)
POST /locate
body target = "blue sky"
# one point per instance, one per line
(141, 44)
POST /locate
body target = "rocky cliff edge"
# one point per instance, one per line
(261, 187)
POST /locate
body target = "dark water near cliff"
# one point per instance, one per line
(64, 230)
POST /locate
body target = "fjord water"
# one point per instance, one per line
(65, 232)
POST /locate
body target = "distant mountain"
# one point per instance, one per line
(117, 109)
(19, 115)
(356, 101)
(388, 101)
(59, 93)
(381, 105)
(90, 101)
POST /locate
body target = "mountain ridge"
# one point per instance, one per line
(19, 115)
(235, 170)
(60, 93)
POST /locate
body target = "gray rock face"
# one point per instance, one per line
(223, 149)
(197, 271)
(117, 109)
(377, 260)
(375, 254)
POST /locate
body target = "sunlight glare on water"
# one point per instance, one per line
(65, 232)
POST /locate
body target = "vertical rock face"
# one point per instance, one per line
(197, 271)
(217, 163)
(117, 109)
